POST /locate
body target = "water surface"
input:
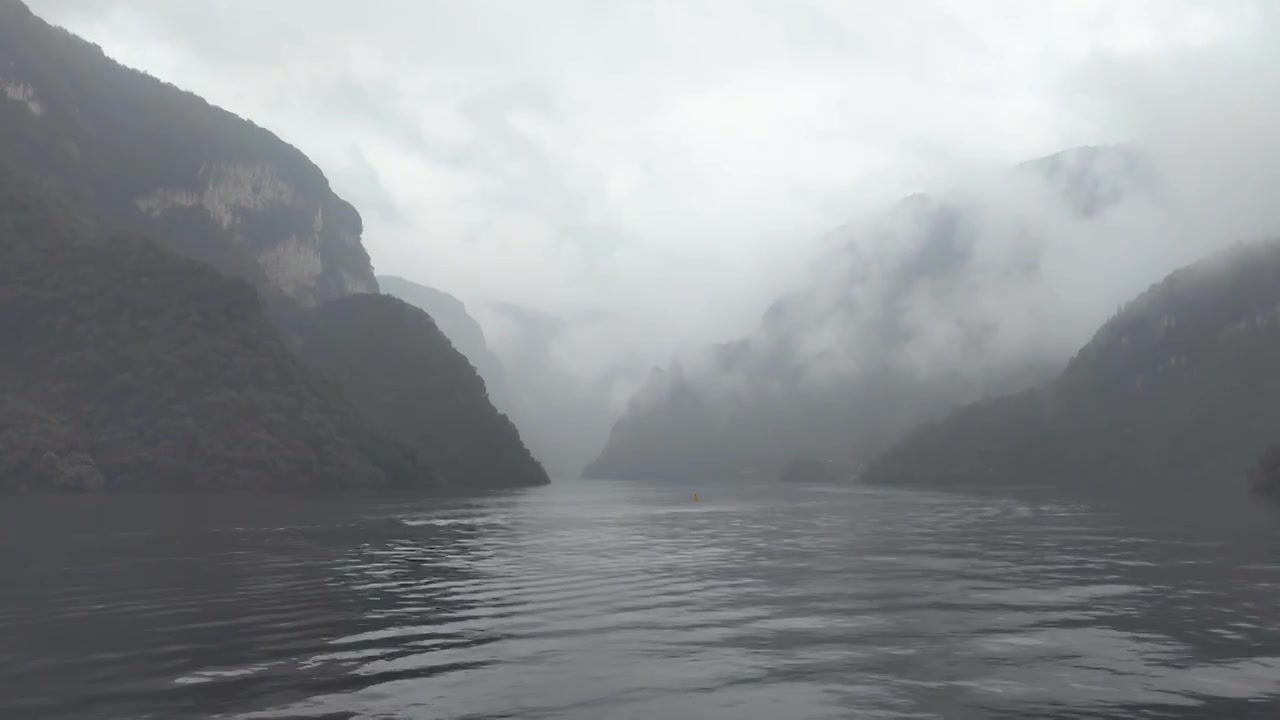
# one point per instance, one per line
(592, 600)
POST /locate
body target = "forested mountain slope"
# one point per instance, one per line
(125, 366)
(1178, 393)
(937, 301)
(134, 157)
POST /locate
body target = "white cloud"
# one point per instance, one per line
(666, 162)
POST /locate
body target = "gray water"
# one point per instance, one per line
(600, 600)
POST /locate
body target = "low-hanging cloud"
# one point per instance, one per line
(654, 175)
(666, 162)
(1013, 267)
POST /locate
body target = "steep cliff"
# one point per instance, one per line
(903, 316)
(403, 373)
(451, 316)
(563, 419)
(126, 366)
(148, 156)
(213, 401)
(1177, 393)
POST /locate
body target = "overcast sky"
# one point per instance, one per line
(667, 162)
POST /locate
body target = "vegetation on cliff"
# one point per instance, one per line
(904, 316)
(126, 148)
(404, 374)
(129, 365)
(126, 366)
(1178, 392)
(451, 316)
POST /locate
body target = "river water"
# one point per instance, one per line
(600, 600)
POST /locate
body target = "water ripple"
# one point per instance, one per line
(590, 600)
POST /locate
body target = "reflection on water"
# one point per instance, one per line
(617, 600)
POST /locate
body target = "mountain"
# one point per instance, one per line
(563, 416)
(451, 316)
(148, 156)
(1177, 394)
(560, 417)
(903, 316)
(127, 366)
(400, 369)
(133, 157)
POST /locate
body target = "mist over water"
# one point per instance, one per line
(620, 600)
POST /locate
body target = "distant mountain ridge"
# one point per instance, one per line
(1178, 393)
(892, 327)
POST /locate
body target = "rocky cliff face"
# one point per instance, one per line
(903, 316)
(1177, 393)
(130, 366)
(147, 155)
(126, 366)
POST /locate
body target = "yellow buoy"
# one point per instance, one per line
(695, 497)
